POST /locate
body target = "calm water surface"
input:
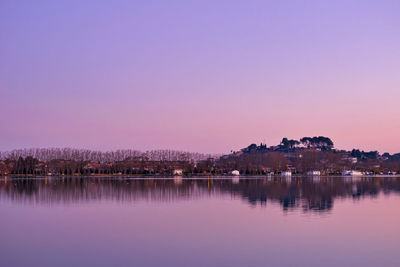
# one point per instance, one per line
(200, 222)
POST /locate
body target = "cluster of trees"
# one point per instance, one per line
(252, 163)
(25, 165)
(47, 154)
(356, 153)
(68, 161)
(286, 145)
(275, 161)
(130, 166)
(394, 157)
(320, 142)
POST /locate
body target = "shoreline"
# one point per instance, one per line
(199, 176)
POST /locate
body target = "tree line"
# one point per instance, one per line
(307, 154)
(317, 142)
(47, 154)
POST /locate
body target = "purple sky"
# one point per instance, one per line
(207, 76)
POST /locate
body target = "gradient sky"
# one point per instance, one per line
(207, 76)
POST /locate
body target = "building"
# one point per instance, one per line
(3, 168)
(235, 173)
(352, 173)
(178, 172)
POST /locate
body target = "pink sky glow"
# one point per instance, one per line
(206, 76)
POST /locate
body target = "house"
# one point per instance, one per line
(178, 172)
(314, 173)
(352, 173)
(3, 168)
(235, 173)
(91, 166)
(286, 173)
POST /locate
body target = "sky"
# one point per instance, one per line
(205, 76)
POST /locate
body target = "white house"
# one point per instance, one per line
(286, 173)
(314, 173)
(178, 172)
(352, 173)
(235, 173)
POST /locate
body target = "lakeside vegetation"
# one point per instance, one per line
(297, 156)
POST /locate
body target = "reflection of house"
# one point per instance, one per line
(178, 180)
(287, 179)
(316, 179)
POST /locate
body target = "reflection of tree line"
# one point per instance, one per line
(73, 190)
(309, 194)
(293, 193)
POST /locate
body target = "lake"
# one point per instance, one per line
(262, 221)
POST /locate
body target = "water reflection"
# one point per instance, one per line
(305, 193)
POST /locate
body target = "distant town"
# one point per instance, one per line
(308, 156)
